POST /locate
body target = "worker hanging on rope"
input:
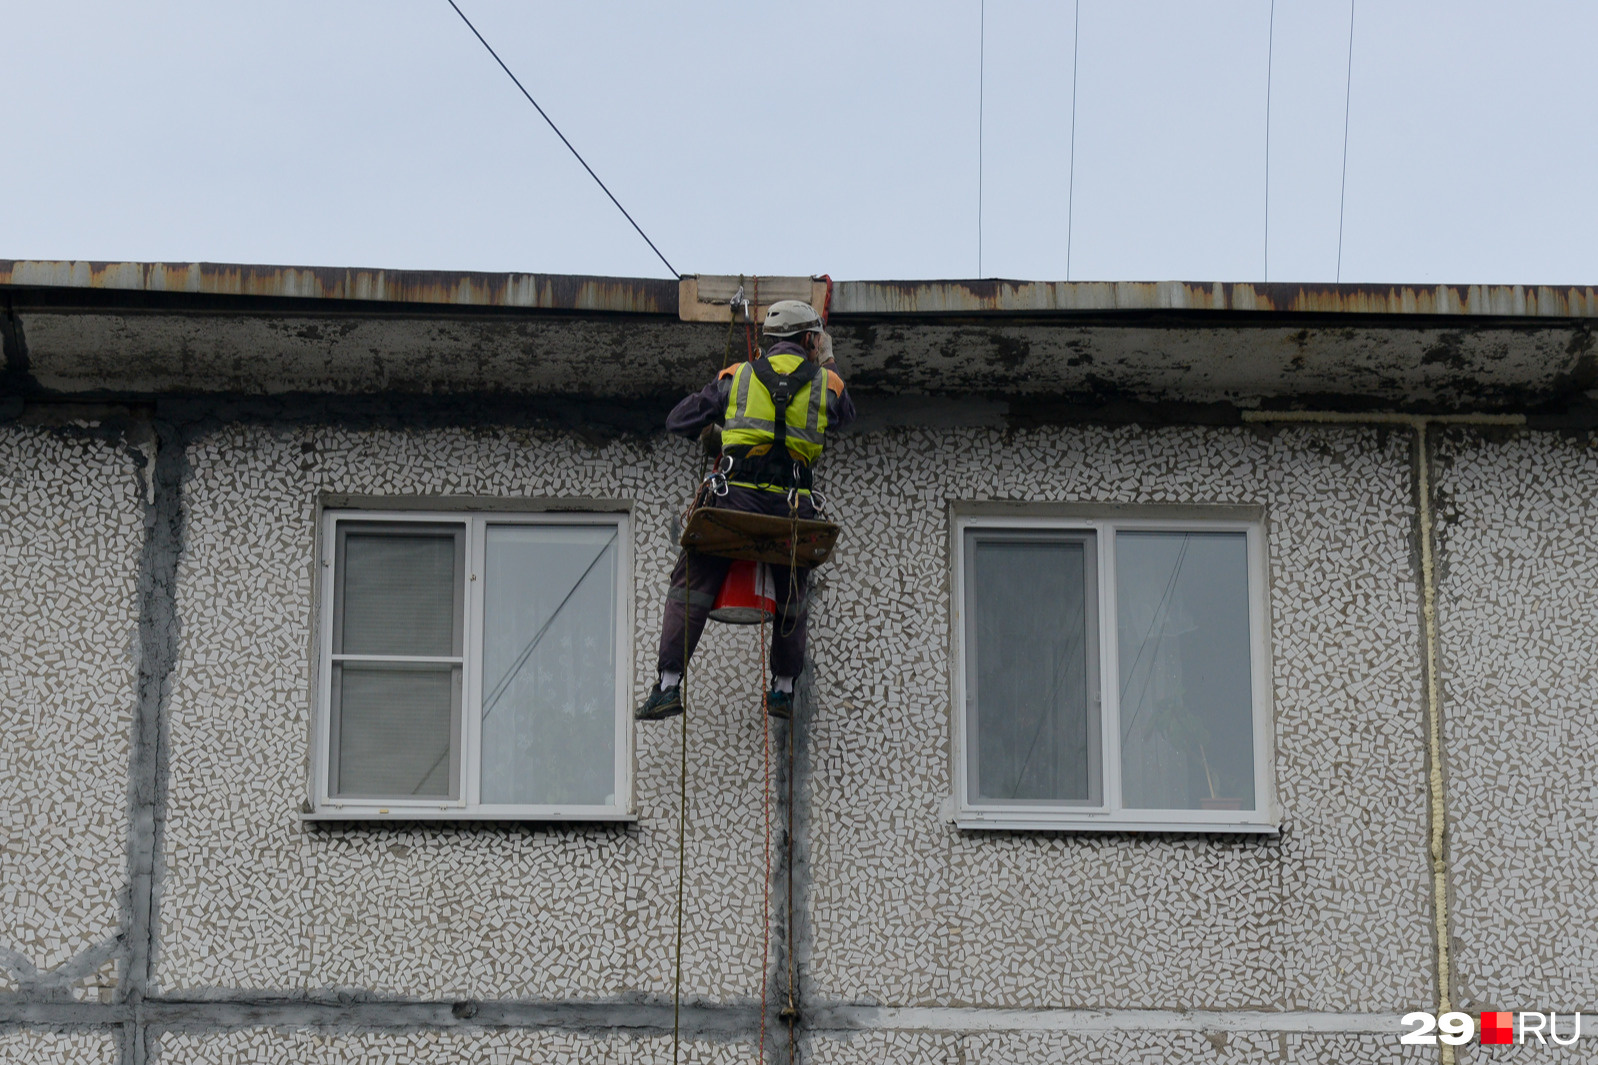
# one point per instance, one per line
(769, 473)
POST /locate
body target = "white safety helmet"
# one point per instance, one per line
(787, 318)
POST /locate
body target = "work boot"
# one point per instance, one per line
(661, 704)
(779, 704)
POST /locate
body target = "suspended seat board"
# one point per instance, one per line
(801, 542)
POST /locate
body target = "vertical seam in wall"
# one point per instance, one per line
(1434, 728)
(787, 874)
(1425, 527)
(147, 769)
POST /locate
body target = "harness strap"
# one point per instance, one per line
(782, 389)
(771, 468)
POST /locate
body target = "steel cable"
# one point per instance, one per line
(1348, 95)
(563, 139)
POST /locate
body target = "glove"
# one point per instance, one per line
(824, 348)
(710, 440)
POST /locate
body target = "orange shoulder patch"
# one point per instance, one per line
(728, 372)
(834, 383)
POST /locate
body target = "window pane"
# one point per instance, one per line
(398, 594)
(549, 665)
(395, 730)
(1031, 680)
(1187, 708)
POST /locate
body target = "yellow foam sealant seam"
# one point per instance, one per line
(1428, 573)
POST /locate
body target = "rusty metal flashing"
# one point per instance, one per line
(922, 298)
(705, 297)
(431, 288)
(710, 297)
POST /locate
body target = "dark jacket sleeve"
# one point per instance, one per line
(704, 407)
(840, 410)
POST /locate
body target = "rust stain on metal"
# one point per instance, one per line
(708, 297)
(700, 298)
(532, 291)
(1109, 297)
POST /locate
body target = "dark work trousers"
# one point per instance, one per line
(697, 578)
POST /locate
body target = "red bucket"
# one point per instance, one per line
(747, 594)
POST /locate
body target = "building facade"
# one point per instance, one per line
(1301, 579)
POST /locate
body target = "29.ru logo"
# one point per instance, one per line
(1497, 1027)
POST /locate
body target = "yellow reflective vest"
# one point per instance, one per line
(750, 421)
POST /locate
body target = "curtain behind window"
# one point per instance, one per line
(549, 664)
(1034, 723)
(398, 595)
(1187, 712)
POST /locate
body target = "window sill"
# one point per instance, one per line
(363, 813)
(1009, 822)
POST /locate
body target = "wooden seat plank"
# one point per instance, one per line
(760, 537)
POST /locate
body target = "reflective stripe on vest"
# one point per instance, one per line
(751, 416)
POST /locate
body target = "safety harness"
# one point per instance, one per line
(777, 467)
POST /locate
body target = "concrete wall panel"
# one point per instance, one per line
(306, 1046)
(1332, 915)
(1519, 624)
(1112, 1048)
(902, 908)
(71, 532)
(253, 898)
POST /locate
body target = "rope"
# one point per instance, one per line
(682, 819)
(749, 330)
(765, 802)
(793, 1008)
(732, 319)
(791, 619)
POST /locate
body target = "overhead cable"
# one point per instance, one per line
(1070, 195)
(1348, 94)
(1270, 54)
(562, 137)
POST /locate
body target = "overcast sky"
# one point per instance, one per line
(798, 138)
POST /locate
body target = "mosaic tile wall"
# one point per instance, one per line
(1531, 1051)
(905, 909)
(1111, 1048)
(303, 1046)
(71, 532)
(900, 907)
(254, 898)
(44, 1047)
(1334, 915)
(1519, 620)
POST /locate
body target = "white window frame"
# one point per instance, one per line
(1111, 815)
(326, 807)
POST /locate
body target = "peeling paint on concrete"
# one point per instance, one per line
(1489, 366)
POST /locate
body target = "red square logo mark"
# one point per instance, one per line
(1498, 1027)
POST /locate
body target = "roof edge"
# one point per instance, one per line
(698, 297)
(556, 292)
